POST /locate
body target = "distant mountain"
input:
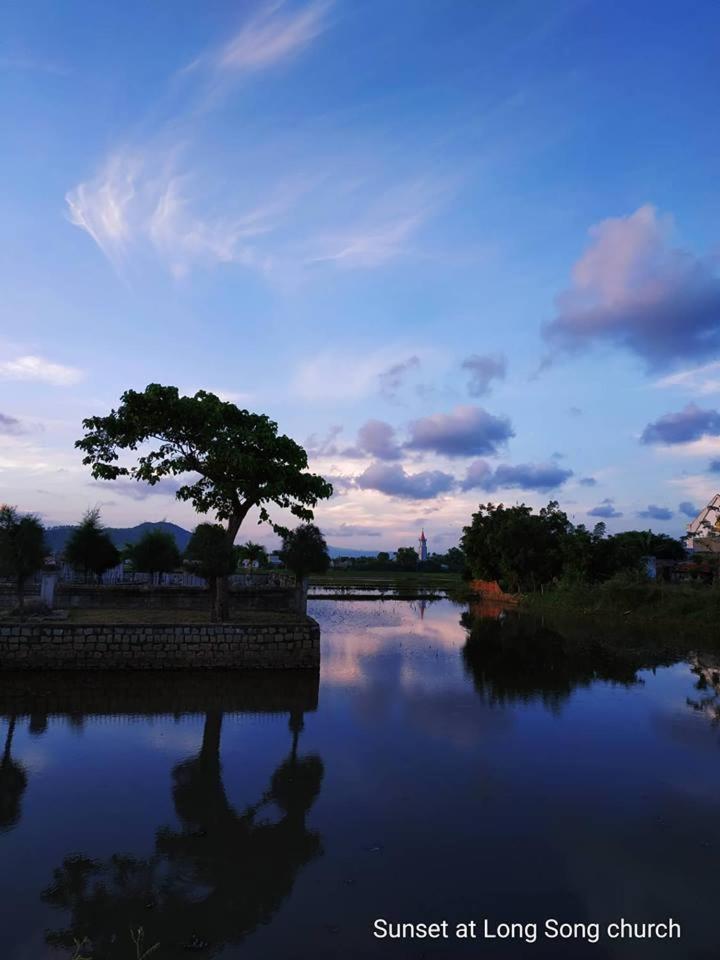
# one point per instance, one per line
(345, 552)
(57, 537)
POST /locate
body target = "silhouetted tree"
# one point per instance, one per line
(239, 459)
(155, 552)
(89, 547)
(209, 554)
(22, 548)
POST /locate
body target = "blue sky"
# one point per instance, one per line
(463, 252)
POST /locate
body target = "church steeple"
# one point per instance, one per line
(423, 545)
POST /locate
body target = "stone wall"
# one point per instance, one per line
(54, 646)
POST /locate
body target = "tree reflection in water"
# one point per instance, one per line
(514, 658)
(13, 781)
(207, 884)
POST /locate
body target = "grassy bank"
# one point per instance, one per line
(391, 580)
(678, 606)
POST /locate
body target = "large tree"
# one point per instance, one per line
(520, 549)
(229, 460)
(90, 548)
(22, 548)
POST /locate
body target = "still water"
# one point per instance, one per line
(442, 767)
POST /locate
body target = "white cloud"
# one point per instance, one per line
(703, 380)
(103, 206)
(369, 245)
(273, 35)
(40, 370)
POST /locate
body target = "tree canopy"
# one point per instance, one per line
(254, 553)
(208, 553)
(523, 550)
(155, 552)
(305, 551)
(22, 547)
(229, 460)
(90, 548)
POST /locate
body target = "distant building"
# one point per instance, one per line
(423, 546)
(704, 530)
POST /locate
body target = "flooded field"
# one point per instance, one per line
(443, 766)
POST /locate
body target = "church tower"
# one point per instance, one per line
(423, 545)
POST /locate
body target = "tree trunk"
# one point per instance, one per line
(222, 589)
(214, 612)
(222, 599)
(302, 590)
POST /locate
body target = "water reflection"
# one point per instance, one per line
(223, 871)
(514, 658)
(13, 781)
(471, 766)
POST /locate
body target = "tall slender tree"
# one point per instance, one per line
(90, 548)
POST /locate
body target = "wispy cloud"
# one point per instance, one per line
(275, 34)
(392, 379)
(143, 195)
(40, 370)
(703, 380)
(368, 245)
(10, 424)
(32, 65)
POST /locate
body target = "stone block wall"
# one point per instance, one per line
(54, 646)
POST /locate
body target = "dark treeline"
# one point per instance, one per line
(525, 551)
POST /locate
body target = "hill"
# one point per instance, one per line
(57, 537)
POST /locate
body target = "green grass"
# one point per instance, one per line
(677, 606)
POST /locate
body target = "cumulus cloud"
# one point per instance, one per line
(465, 432)
(483, 369)
(690, 423)
(606, 510)
(587, 481)
(688, 509)
(655, 513)
(9, 424)
(392, 480)
(524, 476)
(378, 439)
(40, 370)
(392, 379)
(631, 288)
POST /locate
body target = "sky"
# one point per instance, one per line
(462, 252)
